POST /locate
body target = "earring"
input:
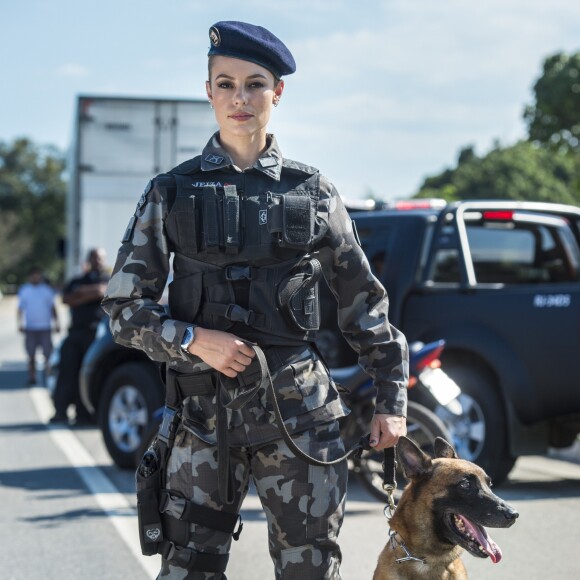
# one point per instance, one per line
(210, 104)
(276, 101)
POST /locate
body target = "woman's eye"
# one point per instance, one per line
(256, 85)
(224, 85)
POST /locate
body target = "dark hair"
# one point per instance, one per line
(209, 64)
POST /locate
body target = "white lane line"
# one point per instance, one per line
(113, 503)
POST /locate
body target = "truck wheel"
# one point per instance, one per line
(130, 396)
(480, 433)
(422, 426)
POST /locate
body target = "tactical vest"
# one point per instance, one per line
(243, 252)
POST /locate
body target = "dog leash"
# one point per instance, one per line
(389, 478)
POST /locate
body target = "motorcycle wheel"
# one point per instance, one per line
(423, 426)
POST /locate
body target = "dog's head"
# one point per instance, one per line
(461, 499)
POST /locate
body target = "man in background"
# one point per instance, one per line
(83, 295)
(36, 311)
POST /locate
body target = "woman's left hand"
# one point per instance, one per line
(386, 430)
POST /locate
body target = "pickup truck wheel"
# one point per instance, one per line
(130, 396)
(480, 433)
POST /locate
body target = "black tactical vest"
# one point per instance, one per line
(243, 252)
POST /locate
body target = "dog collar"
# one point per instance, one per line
(398, 542)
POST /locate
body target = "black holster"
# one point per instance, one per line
(148, 483)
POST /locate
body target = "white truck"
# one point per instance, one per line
(120, 143)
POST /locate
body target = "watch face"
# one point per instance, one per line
(187, 338)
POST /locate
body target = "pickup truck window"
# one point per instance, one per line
(514, 253)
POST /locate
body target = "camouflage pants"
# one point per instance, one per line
(303, 504)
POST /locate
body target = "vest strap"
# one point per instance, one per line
(233, 274)
(235, 313)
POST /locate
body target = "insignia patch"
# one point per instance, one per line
(214, 36)
(215, 159)
(153, 534)
(263, 217)
(268, 162)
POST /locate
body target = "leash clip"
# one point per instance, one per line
(390, 489)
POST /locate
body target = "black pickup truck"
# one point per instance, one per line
(500, 282)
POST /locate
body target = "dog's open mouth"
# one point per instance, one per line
(474, 538)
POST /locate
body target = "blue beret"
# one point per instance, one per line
(250, 42)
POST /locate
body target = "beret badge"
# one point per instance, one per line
(214, 36)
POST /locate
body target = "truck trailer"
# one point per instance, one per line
(119, 144)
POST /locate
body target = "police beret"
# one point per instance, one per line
(250, 42)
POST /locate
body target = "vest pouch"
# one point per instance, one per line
(298, 297)
(183, 225)
(297, 221)
(185, 297)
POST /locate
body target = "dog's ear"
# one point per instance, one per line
(444, 449)
(415, 463)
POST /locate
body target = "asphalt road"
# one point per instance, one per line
(68, 513)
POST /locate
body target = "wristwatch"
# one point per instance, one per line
(188, 338)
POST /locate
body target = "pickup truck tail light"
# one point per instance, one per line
(499, 215)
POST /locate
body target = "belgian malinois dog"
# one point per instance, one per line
(441, 512)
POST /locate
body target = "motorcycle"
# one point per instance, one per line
(357, 389)
(429, 388)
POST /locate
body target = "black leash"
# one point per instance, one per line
(389, 476)
(225, 479)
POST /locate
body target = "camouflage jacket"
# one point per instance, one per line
(306, 396)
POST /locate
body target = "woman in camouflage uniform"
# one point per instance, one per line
(250, 232)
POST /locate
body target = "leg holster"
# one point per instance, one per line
(165, 516)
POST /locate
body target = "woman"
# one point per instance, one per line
(250, 233)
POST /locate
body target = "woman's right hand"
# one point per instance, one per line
(222, 351)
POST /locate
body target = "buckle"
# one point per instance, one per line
(236, 313)
(169, 551)
(179, 503)
(234, 273)
(167, 423)
(240, 524)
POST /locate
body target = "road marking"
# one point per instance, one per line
(113, 503)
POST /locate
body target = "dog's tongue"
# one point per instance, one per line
(481, 535)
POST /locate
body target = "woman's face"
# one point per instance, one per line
(242, 94)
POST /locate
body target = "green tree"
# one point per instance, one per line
(524, 171)
(554, 117)
(32, 210)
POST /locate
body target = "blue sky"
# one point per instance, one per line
(386, 91)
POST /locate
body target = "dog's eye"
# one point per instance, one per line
(465, 483)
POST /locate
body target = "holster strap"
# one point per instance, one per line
(199, 514)
(191, 560)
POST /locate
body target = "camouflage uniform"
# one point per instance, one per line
(303, 503)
